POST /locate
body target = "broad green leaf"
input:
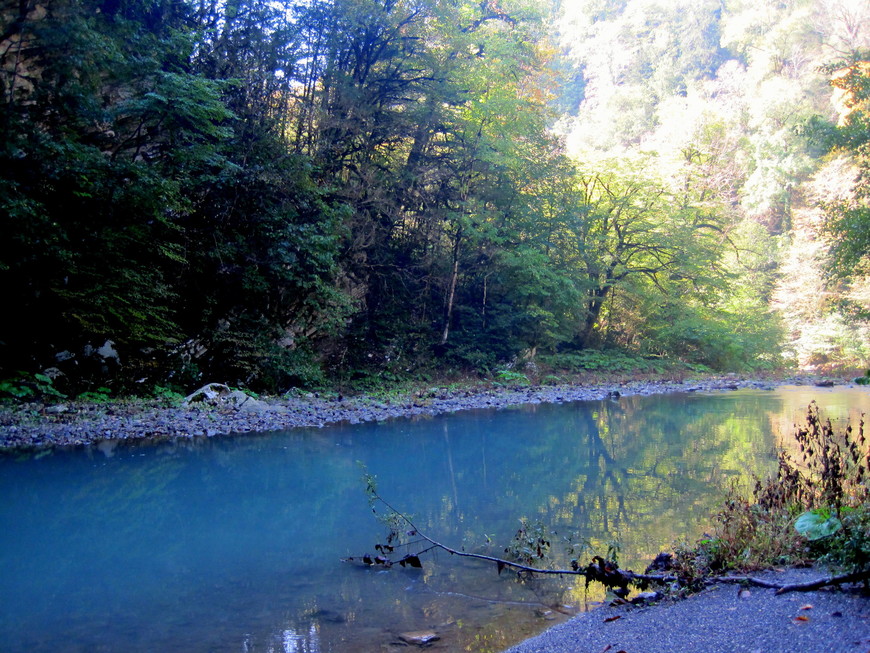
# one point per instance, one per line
(817, 524)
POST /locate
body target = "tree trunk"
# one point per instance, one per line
(451, 293)
(593, 312)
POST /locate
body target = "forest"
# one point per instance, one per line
(345, 193)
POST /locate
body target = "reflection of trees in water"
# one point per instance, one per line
(655, 471)
(604, 481)
(839, 405)
(648, 471)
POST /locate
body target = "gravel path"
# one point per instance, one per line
(71, 423)
(722, 620)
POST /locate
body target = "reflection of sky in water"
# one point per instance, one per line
(288, 641)
(293, 643)
(235, 543)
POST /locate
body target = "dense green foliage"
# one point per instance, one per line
(279, 195)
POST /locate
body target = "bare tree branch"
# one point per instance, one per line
(604, 571)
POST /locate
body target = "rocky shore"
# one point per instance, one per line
(79, 423)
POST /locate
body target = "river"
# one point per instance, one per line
(236, 543)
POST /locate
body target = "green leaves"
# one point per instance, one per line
(817, 524)
(26, 386)
(354, 188)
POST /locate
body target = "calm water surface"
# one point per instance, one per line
(234, 544)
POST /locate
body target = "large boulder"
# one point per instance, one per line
(221, 395)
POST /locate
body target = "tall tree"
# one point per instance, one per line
(628, 226)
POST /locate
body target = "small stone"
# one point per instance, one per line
(419, 637)
(57, 410)
(644, 597)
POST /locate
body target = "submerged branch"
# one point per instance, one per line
(500, 562)
(603, 571)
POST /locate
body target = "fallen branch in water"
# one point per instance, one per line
(501, 563)
(600, 570)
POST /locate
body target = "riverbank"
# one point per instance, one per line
(722, 619)
(35, 426)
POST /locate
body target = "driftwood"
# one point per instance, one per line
(855, 577)
(599, 570)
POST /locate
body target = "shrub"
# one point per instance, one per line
(813, 509)
(511, 377)
(25, 386)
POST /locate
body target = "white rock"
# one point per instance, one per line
(419, 637)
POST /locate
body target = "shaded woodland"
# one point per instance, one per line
(335, 192)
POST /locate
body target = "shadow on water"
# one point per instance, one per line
(234, 544)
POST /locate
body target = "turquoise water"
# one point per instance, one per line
(235, 544)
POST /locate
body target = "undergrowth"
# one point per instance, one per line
(813, 510)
